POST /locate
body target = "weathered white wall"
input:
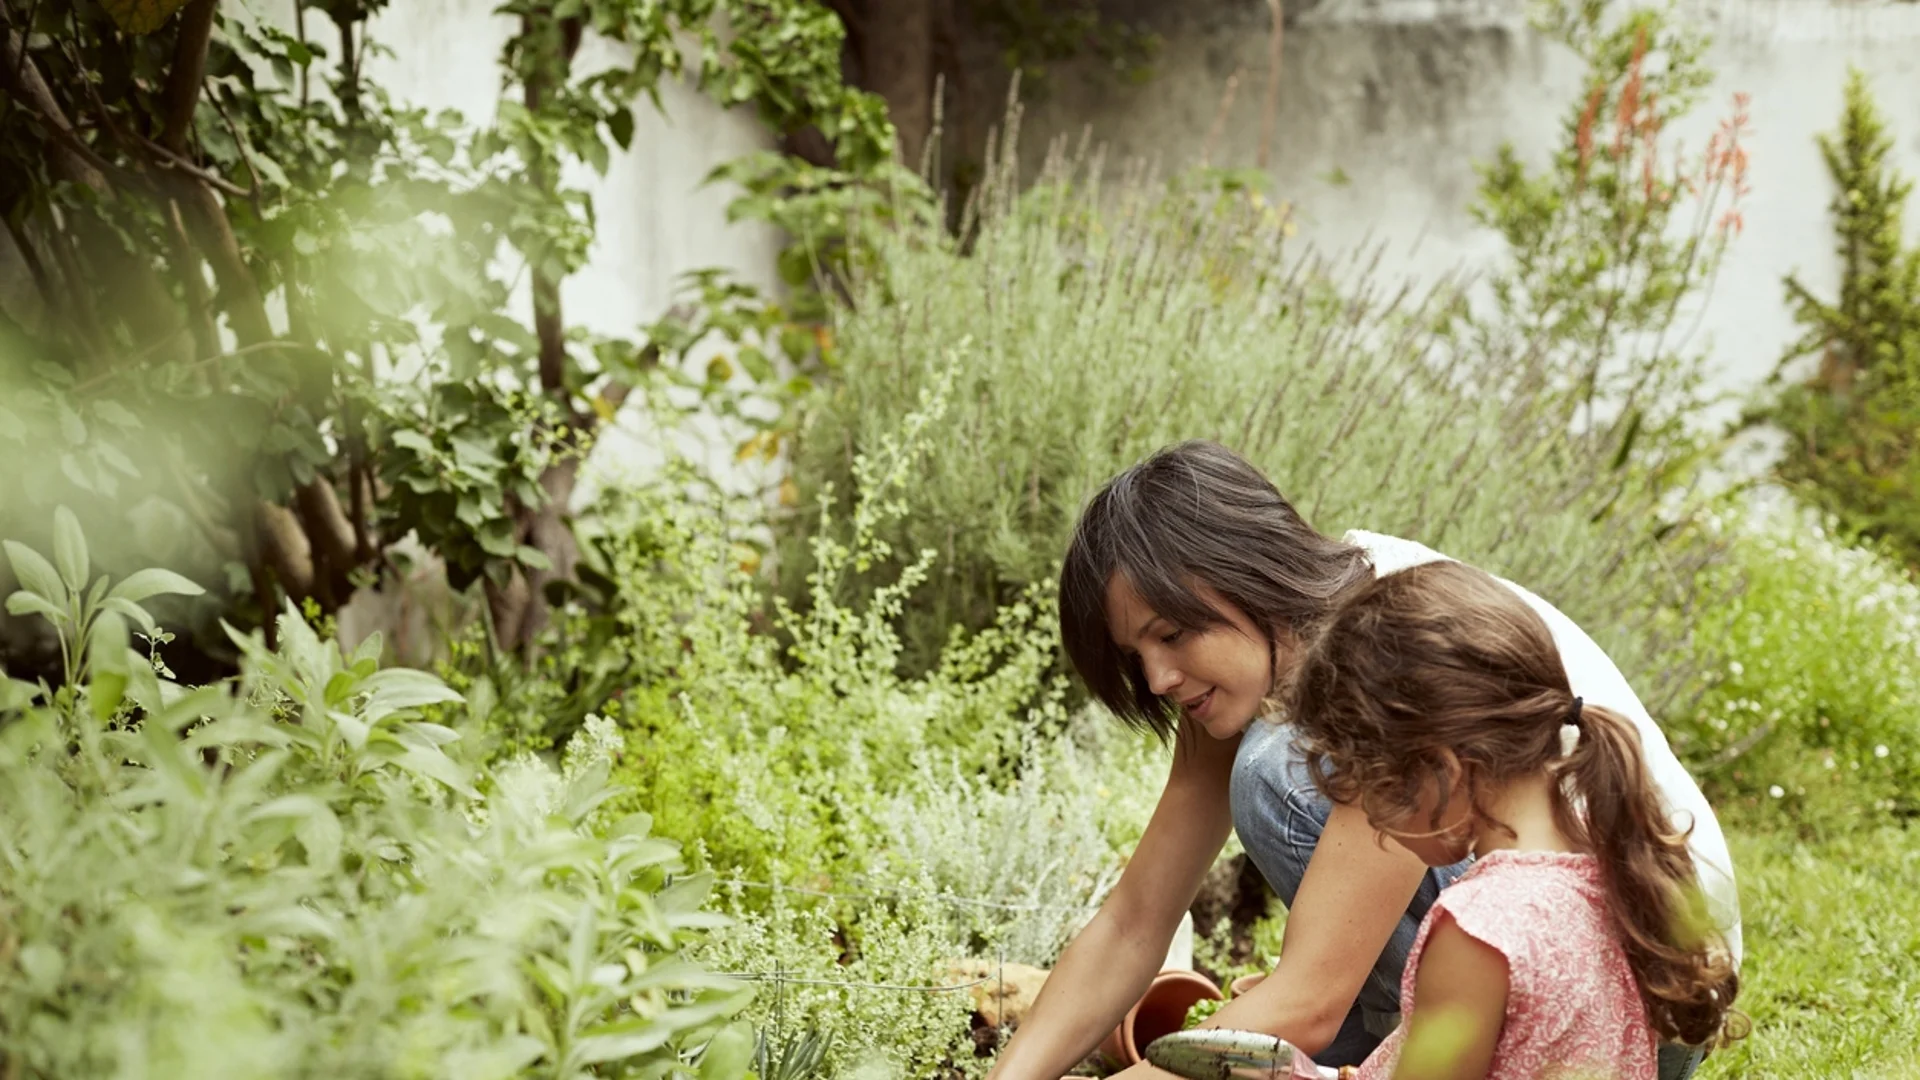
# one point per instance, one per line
(1403, 96)
(656, 218)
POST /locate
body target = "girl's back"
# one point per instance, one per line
(1573, 1009)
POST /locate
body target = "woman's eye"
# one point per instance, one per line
(1172, 636)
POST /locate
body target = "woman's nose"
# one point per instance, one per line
(1162, 677)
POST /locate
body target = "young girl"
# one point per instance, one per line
(1186, 596)
(1435, 701)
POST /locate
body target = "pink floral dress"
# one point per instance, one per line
(1573, 1009)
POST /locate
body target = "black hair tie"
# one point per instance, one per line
(1574, 717)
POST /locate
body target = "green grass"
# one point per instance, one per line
(1833, 954)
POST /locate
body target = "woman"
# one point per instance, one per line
(1188, 589)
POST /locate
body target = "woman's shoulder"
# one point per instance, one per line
(1390, 554)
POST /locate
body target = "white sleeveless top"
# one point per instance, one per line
(1594, 677)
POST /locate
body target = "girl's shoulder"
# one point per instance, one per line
(1523, 902)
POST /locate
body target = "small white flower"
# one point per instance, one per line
(1777, 791)
(1881, 750)
(1737, 668)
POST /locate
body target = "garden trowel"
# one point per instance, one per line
(1225, 1054)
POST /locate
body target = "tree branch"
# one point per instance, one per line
(173, 162)
(49, 299)
(206, 337)
(189, 68)
(73, 159)
(284, 547)
(239, 292)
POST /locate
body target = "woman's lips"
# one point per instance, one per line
(1197, 707)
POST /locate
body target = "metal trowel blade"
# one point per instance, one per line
(1222, 1054)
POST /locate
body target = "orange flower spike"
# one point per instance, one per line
(1583, 136)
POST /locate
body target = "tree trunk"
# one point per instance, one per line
(896, 39)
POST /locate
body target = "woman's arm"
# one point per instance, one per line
(1460, 1004)
(1109, 964)
(1354, 893)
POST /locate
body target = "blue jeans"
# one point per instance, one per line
(1279, 816)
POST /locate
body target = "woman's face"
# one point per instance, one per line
(1218, 678)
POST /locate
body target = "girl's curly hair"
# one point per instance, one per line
(1442, 663)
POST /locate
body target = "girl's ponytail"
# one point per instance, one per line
(1608, 799)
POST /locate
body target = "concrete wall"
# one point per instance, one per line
(1403, 96)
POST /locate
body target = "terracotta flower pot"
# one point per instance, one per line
(1160, 1011)
(1245, 983)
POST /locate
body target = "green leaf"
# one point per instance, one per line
(620, 126)
(729, 1055)
(413, 440)
(580, 948)
(30, 603)
(117, 414)
(756, 364)
(44, 967)
(107, 642)
(138, 17)
(15, 694)
(36, 574)
(105, 693)
(132, 612)
(533, 558)
(394, 689)
(621, 1040)
(11, 426)
(69, 549)
(318, 828)
(154, 582)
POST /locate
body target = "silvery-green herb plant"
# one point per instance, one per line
(297, 873)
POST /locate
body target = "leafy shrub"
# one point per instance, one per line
(1851, 447)
(1105, 321)
(296, 874)
(775, 739)
(879, 1005)
(1028, 859)
(888, 825)
(1811, 651)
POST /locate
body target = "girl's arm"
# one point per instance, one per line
(1354, 893)
(1460, 1004)
(1110, 963)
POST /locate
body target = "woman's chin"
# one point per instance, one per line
(1227, 727)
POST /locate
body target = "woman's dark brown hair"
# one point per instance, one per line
(1441, 674)
(1193, 514)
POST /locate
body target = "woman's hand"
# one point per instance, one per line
(1108, 966)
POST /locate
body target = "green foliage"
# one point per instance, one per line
(1106, 323)
(1832, 976)
(1615, 243)
(298, 874)
(1851, 426)
(869, 1000)
(827, 214)
(1810, 654)
(958, 813)
(776, 748)
(238, 280)
(1201, 1012)
(1033, 35)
